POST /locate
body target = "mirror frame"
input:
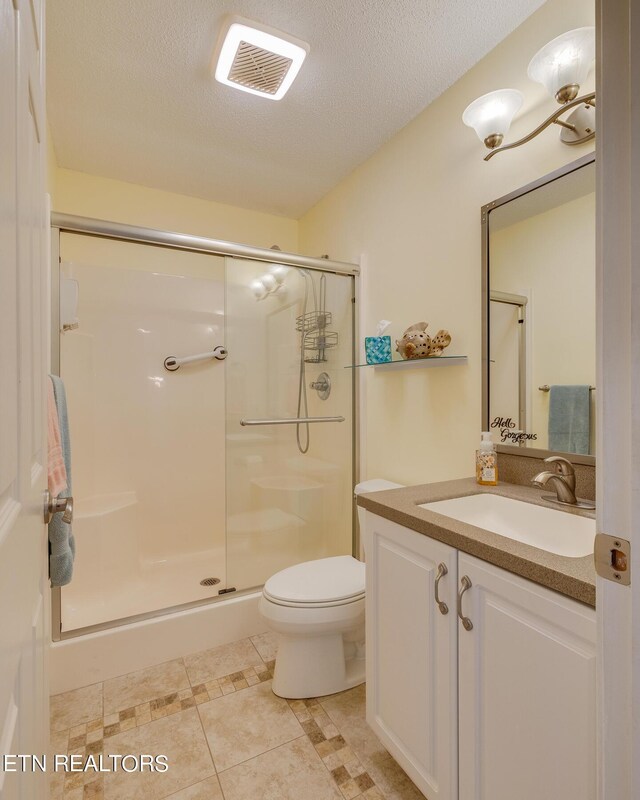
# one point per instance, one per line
(486, 210)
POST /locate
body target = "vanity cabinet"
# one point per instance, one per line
(502, 710)
(412, 651)
(527, 690)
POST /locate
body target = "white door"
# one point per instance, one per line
(412, 654)
(23, 327)
(618, 387)
(527, 690)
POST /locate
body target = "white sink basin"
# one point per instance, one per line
(547, 528)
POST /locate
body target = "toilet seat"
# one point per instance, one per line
(328, 604)
(326, 582)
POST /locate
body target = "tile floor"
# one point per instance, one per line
(226, 735)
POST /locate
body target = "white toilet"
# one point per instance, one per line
(317, 610)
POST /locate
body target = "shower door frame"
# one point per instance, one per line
(521, 303)
(103, 229)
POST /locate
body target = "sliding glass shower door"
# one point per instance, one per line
(193, 482)
(289, 484)
(147, 442)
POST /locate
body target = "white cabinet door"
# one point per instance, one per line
(411, 654)
(527, 718)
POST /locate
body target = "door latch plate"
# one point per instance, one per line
(612, 556)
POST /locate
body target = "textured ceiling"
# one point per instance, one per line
(131, 96)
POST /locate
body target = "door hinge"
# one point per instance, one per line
(612, 557)
(226, 591)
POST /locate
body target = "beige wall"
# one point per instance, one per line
(411, 214)
(103, 198)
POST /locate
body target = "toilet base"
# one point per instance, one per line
(316, 666)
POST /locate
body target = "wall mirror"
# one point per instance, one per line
(539, 349)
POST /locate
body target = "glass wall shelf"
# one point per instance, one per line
(434, 361)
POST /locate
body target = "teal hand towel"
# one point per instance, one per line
(62, 546)
(569, 419)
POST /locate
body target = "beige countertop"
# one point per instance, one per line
(573, 577)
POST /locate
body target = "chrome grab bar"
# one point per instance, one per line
(295, 421)
(172, 363)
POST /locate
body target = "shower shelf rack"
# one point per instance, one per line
(317, 338)
(434, 361)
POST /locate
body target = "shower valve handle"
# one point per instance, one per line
(322, 385)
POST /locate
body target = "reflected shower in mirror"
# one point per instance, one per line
(539, 301)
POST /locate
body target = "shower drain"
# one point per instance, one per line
(209, 581)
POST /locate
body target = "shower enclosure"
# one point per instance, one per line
(211, 414)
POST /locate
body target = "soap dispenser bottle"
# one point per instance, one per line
(486, 462)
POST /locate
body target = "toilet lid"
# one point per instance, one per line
(335, 579)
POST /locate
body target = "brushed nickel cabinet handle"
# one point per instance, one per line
(442, 571)
(465, 583)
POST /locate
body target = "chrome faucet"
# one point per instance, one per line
(563, 480)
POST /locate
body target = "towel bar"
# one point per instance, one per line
(546, 388)
(295, 421)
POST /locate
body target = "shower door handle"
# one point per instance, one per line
(294, 421)
(57, 505)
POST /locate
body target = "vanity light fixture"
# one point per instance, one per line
(561, 66)
(272, 282)
(257, 59)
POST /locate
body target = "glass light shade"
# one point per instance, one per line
(258, 288)
(491, 114)
(564, 62)
(269, 282)
(279, 272)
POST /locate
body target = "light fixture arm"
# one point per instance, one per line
(585, 99)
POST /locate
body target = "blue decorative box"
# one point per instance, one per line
(377, 349)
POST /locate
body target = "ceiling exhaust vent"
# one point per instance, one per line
(258, 69)
(257, 59)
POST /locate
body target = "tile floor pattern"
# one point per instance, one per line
(225, 733)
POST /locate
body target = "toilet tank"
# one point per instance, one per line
(374, 485)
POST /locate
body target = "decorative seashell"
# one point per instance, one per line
(442, 339)
(418, 327)
(416, 343)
